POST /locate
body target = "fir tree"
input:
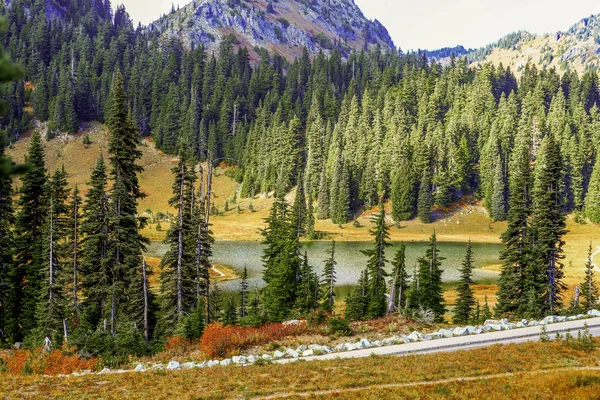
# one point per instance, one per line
(399, 282)
(376, 266)
(51, 307)
(465, 302)
(95, 249)
(511, 293)
(589, 288)
(178, 274)
(324, 204)
(308, 285)
(329, 280)
(592, 200)
(25, 277)
(74, 247)
(430, 278)
(358, 300)
(425, 200)
(546, 271)
(281, 262)
(403, 194)
(6, 242)
(498, 202)
(244, 293)
(230, 316)
(126, 242)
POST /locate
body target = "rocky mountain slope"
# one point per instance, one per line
(282, 26)
(577, 48)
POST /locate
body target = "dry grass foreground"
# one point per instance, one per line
(525, 371)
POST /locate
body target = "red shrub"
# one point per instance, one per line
(53, 363)
(223, 341)
(177, 346)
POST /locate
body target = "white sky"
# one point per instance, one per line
(432, 24)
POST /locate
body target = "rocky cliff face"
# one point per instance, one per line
(282, 26)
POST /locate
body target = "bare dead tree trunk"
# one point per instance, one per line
(200, 232)
(75, 245)
(206, 225)
(146, 305)
(51, 252)
(180, 246)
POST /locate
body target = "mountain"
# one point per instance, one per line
(577, 48)
(282, 26)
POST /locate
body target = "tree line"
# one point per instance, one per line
(374, 125)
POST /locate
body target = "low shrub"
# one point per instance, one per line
(223, 341)
(340, 326)
(37, 361)
(177, 346)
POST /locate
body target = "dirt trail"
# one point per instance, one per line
(423, 383)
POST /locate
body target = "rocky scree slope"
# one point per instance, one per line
(281, 26)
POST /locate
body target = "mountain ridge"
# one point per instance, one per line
(283, 26)
(577, 48)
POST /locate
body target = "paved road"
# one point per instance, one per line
(466, 342)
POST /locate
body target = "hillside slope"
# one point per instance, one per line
(577, 48)
(281, 26)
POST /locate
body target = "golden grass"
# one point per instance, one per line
(335, 375)
(566, 384)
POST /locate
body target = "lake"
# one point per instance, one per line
(350, 261)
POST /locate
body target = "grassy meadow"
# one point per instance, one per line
(525, 371)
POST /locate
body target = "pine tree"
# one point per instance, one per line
(511, 296)
(430, 277)
(546, 271)
(324, 204)
(486, 312)
(178, 274)
(126, 242)
(340, 197)
(308, 293)
(425, 201)
(214, 302)
(230, 316)
(465, 303)
(329, 280)
(40, 97)
(244, 293)
(309, 223)
(51, 307)
(281, 262)
(25, 277)
(399, 283)
(589, 288)
(498, 201)
(376, 264)
(74, 247)
(196, 322)
(358, 300)
(592, 200)
(95, 249)
(6, 243)
(403, 194)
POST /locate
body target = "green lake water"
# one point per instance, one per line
(350, 260)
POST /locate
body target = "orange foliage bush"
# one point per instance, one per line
(223, 341)
(47, 363)
(177, 346)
